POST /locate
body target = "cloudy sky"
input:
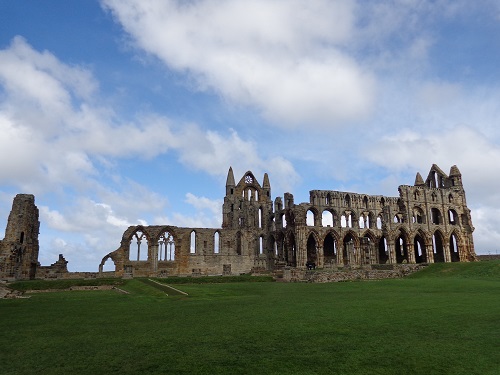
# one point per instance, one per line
(120, 112)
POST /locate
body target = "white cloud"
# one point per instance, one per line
(203, 203)
(51, 127)
(286, 59)
(486, 220)
(214, 153)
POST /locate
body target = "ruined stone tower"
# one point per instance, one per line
(247, 204)
(19, 249)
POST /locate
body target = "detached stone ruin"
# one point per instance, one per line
(19, 249)
(335, 231)
(428, 222)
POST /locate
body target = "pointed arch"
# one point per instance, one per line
(312, 250)
(419, 248)
(291, 249)
(330, 248)
(349, 246)
(383, 250)
(139, 244)
(401, 247)
(438, 246)
(454, 247)
(369, 234)
(166, 245)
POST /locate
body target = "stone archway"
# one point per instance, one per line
(420, 249)
(330, 249)
(438, 247)
(312, 252)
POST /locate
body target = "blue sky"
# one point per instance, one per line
(115, 113)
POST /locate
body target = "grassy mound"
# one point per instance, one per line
(474, 270)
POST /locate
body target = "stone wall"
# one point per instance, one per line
(349, 274)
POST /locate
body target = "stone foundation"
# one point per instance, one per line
(374, 272)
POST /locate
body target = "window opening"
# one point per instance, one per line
(216, 242)
(166, 247)
(310, 218)
(192, 248)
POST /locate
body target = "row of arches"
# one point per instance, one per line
(344, 200)
(370, 249)
(329, 218)
(139, 245)
(332, 248)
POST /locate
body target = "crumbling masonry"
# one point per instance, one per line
(19, 249)
(429, 222)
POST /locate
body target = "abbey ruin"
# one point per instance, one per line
(428, 222)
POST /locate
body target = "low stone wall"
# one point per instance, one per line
(488, 257)
(374, 272)
(50, 274)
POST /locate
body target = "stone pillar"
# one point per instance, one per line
(411, 253)
(429, 252)
(320, 259)
(153, 255)
(340, 255)
(392, 253)
(446, 250)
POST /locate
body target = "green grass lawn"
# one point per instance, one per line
(420, 325)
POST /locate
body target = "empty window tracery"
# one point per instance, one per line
(166, 247)
(138, 246)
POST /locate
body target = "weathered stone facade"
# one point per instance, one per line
(19, 249)
(429, 222)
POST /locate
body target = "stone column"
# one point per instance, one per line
(429, 252)
(392, 253)
(411, 253)
(153, 255)
(446, 250)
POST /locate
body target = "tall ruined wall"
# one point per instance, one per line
(19, 249)
(428, 222)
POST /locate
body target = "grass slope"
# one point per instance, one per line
(423, 325)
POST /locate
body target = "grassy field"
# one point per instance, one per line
(444, 320)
